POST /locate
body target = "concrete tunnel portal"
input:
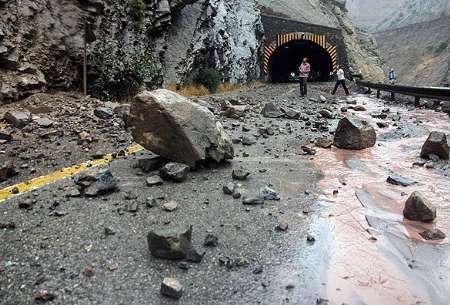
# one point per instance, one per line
(286, 59)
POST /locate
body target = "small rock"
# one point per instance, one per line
(183, 265)
(240, 174)
(174, 171)
(310, 238)
(150, 164)
(7, 171)
(170, 243)
(97, 182)
(109, 231)
(154, 181)
(18, 118)
(418, 208)
(26, 204)
(170, 206)
(194, 256)
(88, 272)
(271, 111)
(322, 98)
(282, 226)
(211, 241)
(326, 114)
(245, 140)
(132, 207)
(258, 269)
(399, 180)
(44, 296)
(103, 112)
(269, 194)
(229, 188)
(382, 124)
(44, 122)
(434, 234)
(171, 287)
(253, 200)
(324, 142)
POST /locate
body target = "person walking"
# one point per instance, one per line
(392, 76)
(304, 69)
(340, 80)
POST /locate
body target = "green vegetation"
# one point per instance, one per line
(137, 12)
(440, 47)
(119, 77)
(210, 78)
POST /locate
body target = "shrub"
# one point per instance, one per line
(137, 10)
(210, 78)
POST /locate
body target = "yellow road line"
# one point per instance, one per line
(61, 174)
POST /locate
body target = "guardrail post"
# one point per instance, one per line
(417, 100)
(378, 93)
(393, 95)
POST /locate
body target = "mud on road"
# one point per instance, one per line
(346, 240)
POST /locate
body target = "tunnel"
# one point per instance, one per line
(287, 58)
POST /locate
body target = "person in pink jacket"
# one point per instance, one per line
(304, 70)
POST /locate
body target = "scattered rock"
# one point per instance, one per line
(97, 182)
(103, 112)
(229, 188)
(170, 206)
(88, 272)
(291, 113)
(211, 241)
(178, 129)
(154, 181)
(418, 208)
(150, 164)
(282, 226)
(170, 243)
(132, 207)
(253, 200)
(245, 140)
(322, 98)
(324, 142)
(18, 118)
(353, 133)
(7, 225)
(7, 171)
(240, 174)
(26, 204)
(434, 234)
(269, 194)
(445, 106)
(109, 231)
(44, 296)
(194, 256)
(174, 171)
(326, 114)
(436, 144)
(310, 238)
(358, 108)
(44, 122)
(382, 124)
(271, 111)
(171, 287)
(399, 180)
(6, 135)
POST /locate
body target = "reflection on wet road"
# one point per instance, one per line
(377, 257)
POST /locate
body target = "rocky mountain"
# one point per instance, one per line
(386, 14)
(419, 53)
(131, 42)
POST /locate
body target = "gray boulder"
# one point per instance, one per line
(418, 208)
(174, 171)
(353, 133)
(436, 144)
(271, 111)
(97, 182)
(178, 129)
(170, 243)
(18, 118)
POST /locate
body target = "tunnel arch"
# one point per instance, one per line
(286, 58)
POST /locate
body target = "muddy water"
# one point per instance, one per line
(378, 257)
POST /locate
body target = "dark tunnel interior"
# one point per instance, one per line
(287, 58)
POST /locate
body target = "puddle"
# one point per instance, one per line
(378, 257)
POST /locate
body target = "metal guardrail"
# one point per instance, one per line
(439, 93)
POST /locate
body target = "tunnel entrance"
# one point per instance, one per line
(286, 59)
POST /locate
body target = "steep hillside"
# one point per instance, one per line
(387, 14)
(132, 42)
(361, 46)
(419, 52)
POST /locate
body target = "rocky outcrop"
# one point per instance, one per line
(178, 129)
(42, 43)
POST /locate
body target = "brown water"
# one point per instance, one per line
(399, 267)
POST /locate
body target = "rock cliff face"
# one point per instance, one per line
(42, 43)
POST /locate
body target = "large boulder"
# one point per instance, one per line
(418, 208)
(436, 144)
(353, 133)
(178, 129)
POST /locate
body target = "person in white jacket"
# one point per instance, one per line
(340, 80)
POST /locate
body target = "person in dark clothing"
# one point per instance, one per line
(304, 70)
(340, 81)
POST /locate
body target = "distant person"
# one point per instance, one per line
(304, 69)
(340, 80)
(392, 76)
(350, 73)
